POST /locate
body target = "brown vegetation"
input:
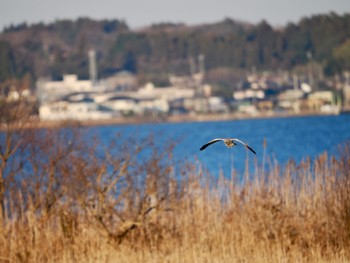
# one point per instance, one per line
(68, 200)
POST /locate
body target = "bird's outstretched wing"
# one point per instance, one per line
(246, 145)
(209, 143)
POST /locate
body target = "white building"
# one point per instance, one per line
(325, 96)
(121, 104)
(83, 100)
(64, 110)
(153, 105)
(122, 81)
(217, 104)
(54, 90)
(291, 95)
(249, 94)
(167, 93)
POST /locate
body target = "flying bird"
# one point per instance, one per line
(229, 142)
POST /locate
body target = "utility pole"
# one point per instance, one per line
(295, 82)
(311, 75)
(192, 66)
(92, 66)
(201, 64)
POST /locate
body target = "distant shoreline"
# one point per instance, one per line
(174, 119)
(37, 123)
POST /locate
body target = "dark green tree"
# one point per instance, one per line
(7, 63)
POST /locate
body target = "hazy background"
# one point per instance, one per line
(142, 13)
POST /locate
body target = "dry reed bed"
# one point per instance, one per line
(69, 201)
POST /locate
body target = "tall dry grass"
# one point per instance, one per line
(69, 200)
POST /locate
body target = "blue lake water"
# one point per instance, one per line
(286, 138)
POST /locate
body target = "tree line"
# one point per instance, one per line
(62, 46)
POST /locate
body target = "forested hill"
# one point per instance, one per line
(62, 47)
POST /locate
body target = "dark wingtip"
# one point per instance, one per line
(251, 150)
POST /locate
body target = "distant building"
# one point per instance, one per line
(168, 93)
(64, 110)
(122, 81)
(217, 104)
(119, 95)
(192, 81)
(121, 104)
(291, 95)
(247, 108)
(249, 94)
(48, 90)
(324, 101)
(326, 96)
(159, 105)
(196, 104)
(346, 92)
